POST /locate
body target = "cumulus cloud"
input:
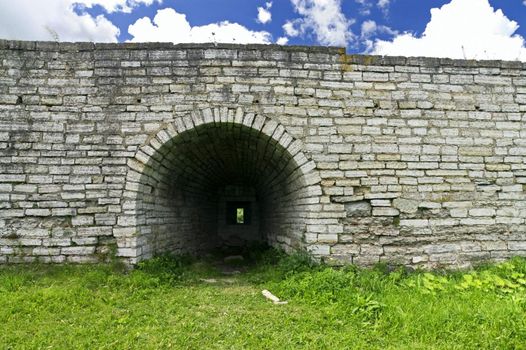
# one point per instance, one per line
(52, 20)
(282, 40)
(110, 6)
(383, 5)
(171, 26)
(371, 28)
(290, 29)
(264, 15)
(323, 18)
(365, 7)
(469, 29)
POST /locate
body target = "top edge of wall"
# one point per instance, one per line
(87, 46)
(330, 50)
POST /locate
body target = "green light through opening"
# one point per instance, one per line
(240, 215)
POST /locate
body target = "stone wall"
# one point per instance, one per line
(124, 149)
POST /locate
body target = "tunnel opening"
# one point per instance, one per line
(221, 186)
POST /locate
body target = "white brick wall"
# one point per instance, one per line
(433, 147)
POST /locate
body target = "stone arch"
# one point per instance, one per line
(181, 178)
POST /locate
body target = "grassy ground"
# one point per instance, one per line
(166, 304)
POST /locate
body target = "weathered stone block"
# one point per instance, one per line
(385, 211)
(77, 250)
(405, 205)
(482, 212)
(359, 208)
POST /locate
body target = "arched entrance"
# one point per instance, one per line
(217, 179)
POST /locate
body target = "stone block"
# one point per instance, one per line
(385, 211)
(406, 205)
(414, 222)
(82, 220)
(37, 212)
(77, 250)
(329, 238)
(358, 208)
(319, 249)
(482, 212)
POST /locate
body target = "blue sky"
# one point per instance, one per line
(480, 29)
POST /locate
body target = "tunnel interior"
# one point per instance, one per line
(220, 186)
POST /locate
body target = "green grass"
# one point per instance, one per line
(165, 304)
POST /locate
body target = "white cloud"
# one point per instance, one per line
(171, 26)
(365, 7)
(371, 28)
(115, 5)
(52, 20)
(324, 18)
(264, 15)
(282, 40)
(290, 29)
(461, 29)
(383, 4)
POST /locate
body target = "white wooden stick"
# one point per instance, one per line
(267, 294)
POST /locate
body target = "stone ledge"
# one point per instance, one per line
(330, 50)
(87, 46)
